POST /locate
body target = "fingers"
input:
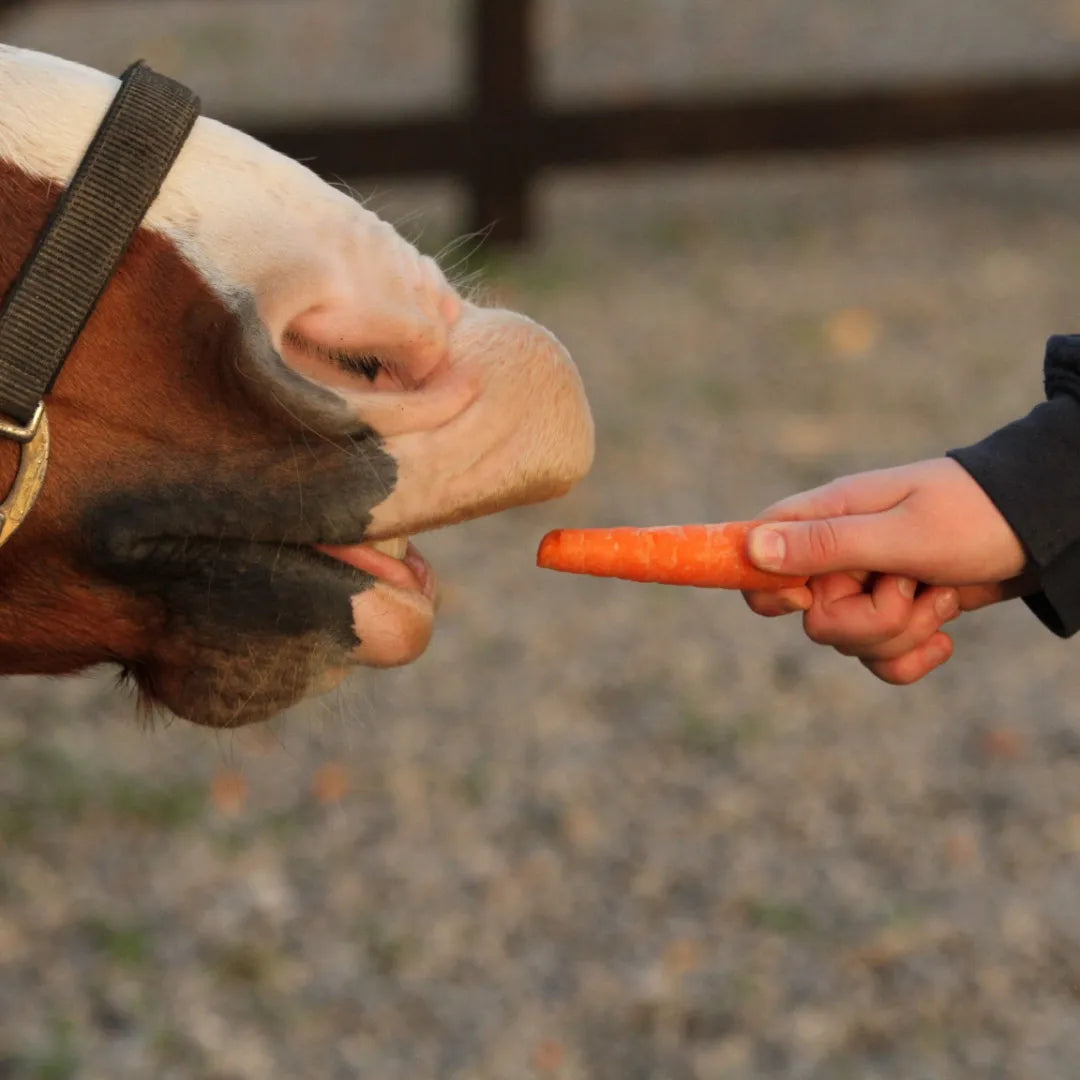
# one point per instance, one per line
(893, 629)
(927, 522)
(914, 664)
(898, 640)
(881, 623)
(862, 493)
(883, 540)
(779, 601)
(930, 521)
(893, 632)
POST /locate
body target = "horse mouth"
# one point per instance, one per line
(394, 618)
(280, 587)
(395, 561)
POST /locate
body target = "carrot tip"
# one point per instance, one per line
(546, 554)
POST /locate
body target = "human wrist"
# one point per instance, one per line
(1030, 470)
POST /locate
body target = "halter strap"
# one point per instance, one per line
(86, 236)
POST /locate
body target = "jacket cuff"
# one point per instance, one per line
(1030, 469)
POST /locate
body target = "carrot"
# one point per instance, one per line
(710, 556)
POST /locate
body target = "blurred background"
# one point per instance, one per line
(605, 830)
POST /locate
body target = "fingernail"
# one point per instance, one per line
(937, 654)
(767, 549)
(906, 586)
(946, 605)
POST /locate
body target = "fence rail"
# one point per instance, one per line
(507, 136)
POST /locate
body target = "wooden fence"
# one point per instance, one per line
(507, 135)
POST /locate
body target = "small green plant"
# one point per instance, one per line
(172, 806)
(56, 1058)
(780, 917)
(386, 949)
(699, 733)
(128, 946)
(476, 782)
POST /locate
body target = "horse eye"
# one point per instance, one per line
(367, 365)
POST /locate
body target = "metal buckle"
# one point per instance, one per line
(20, 432)
(33, 461)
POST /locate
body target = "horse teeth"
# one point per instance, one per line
(395, 547)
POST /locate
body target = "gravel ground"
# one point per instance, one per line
(605, 831)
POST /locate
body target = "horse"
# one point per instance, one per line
(274, 392)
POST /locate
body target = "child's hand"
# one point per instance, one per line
(869, 543)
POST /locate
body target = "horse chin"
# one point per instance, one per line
(222, 687)
(226, 681)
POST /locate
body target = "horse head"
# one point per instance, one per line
(273, 394)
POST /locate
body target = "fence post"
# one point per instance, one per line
(501, 159)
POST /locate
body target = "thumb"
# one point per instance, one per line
(851, 542)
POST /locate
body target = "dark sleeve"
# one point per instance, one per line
(1031, 470)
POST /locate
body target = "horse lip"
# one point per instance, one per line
(410, 572)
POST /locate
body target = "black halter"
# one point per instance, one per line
(74, 257)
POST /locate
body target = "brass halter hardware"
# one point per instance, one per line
(33, 460)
